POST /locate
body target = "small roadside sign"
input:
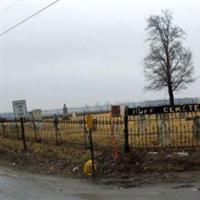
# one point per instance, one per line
(115, 110)
(89, 121)
(20, 109)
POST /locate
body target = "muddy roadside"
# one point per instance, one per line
(129, 170)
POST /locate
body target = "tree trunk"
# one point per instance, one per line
(171, 95)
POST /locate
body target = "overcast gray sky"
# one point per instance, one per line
(85, 51)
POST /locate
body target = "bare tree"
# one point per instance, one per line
(168, 65)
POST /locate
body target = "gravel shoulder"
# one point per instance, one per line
(137, 168)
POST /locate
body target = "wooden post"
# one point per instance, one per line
(23, 133)
(126, 142)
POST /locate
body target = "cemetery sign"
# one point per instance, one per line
(164, 109)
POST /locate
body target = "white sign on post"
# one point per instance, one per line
(20, 109)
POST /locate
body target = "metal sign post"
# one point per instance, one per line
(23, 133)
(90, 126)
(20, 112)
(92, 152)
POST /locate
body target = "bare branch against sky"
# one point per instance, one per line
(85, 51)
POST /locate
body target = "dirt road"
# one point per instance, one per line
(24, 186)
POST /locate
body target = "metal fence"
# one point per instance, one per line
(70, 131)
(165, 126)
(147, 127)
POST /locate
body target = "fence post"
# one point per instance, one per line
(17, 129)
(56, 122)
(35, 129)
(126, 142)
(23, 133)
